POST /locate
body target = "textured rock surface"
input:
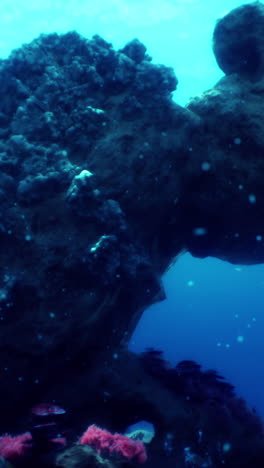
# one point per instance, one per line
(239, 43)
(227, 199)
(181, 402)
(88, 179)
(82, 457)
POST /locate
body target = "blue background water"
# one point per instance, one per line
(213, 312)
(214, 315)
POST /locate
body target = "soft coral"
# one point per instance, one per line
(116, 444)
(14, 447)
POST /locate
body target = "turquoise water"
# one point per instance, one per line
(177, 32)
(213, 313)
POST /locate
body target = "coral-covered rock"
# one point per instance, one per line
(82, 457)
(72, 256)
(239, 43)
(104, 181)
(225, 197)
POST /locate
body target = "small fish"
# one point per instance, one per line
(47, 419)
(47, 409)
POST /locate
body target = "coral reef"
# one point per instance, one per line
(104, 181)
(197, 416)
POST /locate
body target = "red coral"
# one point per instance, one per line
(14, 447)
(116, 444)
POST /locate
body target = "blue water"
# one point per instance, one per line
(213, 312)
(214, 315)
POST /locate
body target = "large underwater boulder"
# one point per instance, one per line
(91, 152)
(238, 41)
(104, 181)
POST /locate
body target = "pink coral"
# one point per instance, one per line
(14, 447)
(108, 444)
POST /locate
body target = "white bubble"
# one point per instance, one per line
(200, 231)
(226, 447)
(190, 283)
(205, 166)
(240, 338)
(252, 198)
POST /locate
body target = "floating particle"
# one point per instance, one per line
(190, 283)
(205, 166)
(237, 141)
(240, 339)
(226, 447)
(252, 198)
(259, 238)
(200, 231)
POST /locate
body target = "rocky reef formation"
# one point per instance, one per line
(104, 181)
(228, 198)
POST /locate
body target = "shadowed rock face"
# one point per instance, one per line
(238, 41)
(104, 180)
(91, 152)
(228, 198)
